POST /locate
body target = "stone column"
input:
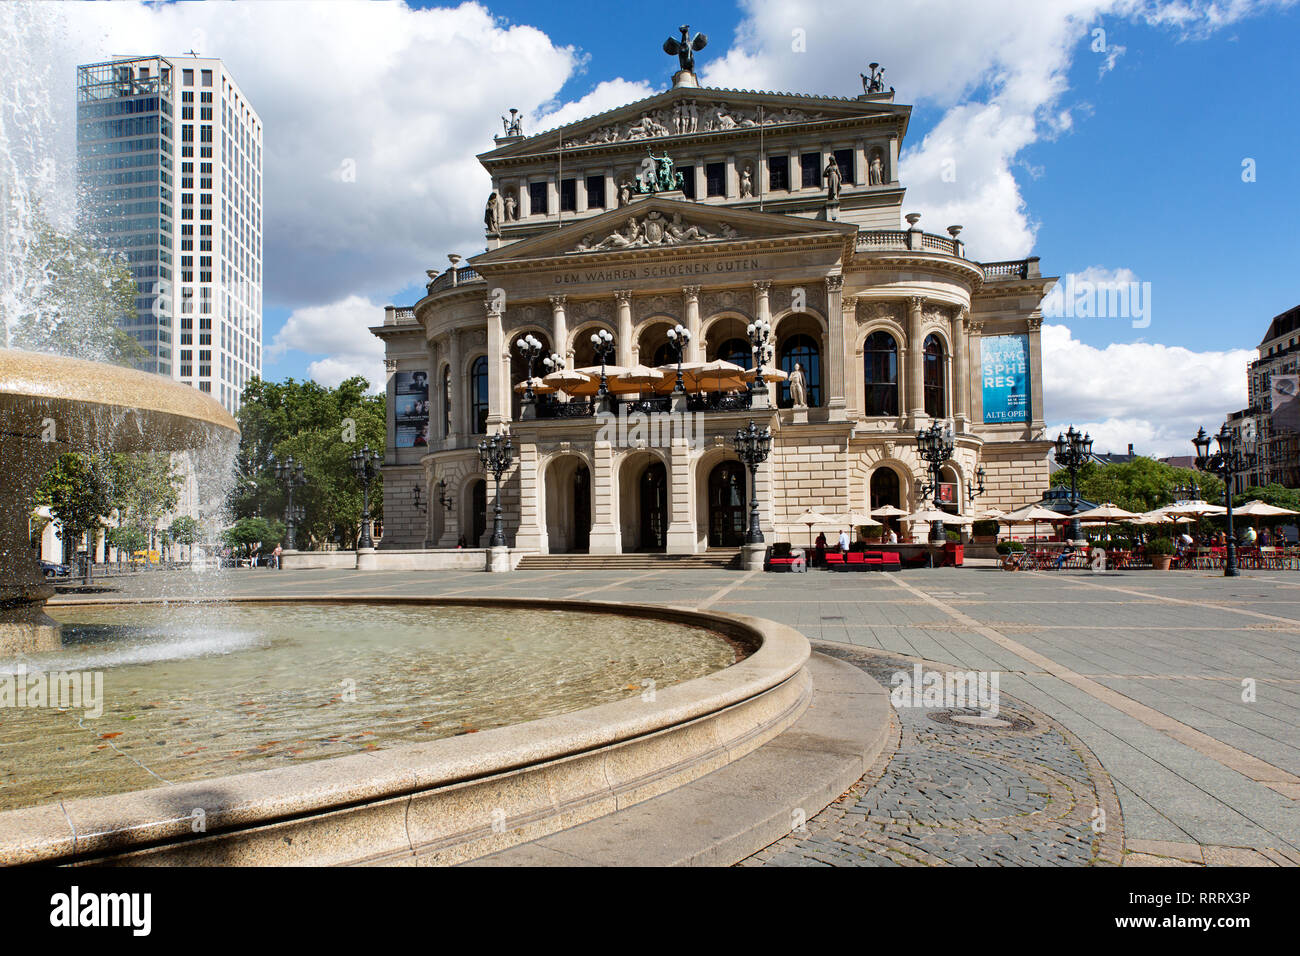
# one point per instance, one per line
(605, 534)
(681, 537)
(855, 397)
(974, 333)
(833, 377)
(915, 362)
(960, 371)
(496, 346)
(694, 351)
(623, 328)
(559, 326)
(1036, 421)
(459, 388)
(531, 533)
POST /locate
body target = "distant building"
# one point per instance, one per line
(169, 155)
(1271, 422)
(1098, 458)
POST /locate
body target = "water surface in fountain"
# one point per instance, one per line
(198, 691)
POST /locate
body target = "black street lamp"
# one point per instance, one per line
(530, 347)
(1226, 463)
(291, 476)
(443, 500)
(602, 343)
(975, 490)
(679, 337)
(935, 446)
(1072, 451)
(496, 454)
(1187, 492)
(752, 446)
(365, 465)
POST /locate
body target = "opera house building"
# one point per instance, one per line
(754, 242)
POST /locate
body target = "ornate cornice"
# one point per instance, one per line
(623, 296)
(691, 291)
(559, 301)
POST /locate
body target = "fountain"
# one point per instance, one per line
(49, 405)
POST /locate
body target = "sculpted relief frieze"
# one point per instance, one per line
(654, 229)
(686, 117)
(727, 300)
(879, 311)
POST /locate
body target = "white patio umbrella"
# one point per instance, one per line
(1033, 513)
(540, 386)
(566, 378)
(641, 376)
(859, 518)
(770, 374)
(1260, 509)
(888, 511)
(1105, 513)
(715, 376)
(592, 385)
(810, 517)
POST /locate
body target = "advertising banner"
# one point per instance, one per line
(411, 409)
(1286, 408)
(1004, 371)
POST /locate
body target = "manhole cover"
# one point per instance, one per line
(982, 721)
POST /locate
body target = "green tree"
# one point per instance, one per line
(73, 298)
(128, 539)
(253, 535)
(144, 488)
(1272, 494)
(319, 428)
(78, 491)
(185, 530)
(1142, 484)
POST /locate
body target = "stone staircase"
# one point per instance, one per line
(713, 559)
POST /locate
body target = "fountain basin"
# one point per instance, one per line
(52, 404)
(453, 799)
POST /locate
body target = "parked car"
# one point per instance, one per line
(52, 570)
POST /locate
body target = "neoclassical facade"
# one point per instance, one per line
(788, 210)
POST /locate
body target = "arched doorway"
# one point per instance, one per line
(652, 500)
(519, 367)
(478, 509)
(801, 350)
(727, 505)
(885, 491)
(568, 505)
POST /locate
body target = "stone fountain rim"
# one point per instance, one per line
(27, 375)
(690, 729)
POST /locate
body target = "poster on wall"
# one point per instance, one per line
(1004, 370)
(411, 409)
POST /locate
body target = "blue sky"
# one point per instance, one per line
(1122, 164)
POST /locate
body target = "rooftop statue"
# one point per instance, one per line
(685, 51)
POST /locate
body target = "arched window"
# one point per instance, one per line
(802, 350)
(446, 402)
(478, 392)
(936, 401)
(665, 355)
(737, 351)
(880, 368)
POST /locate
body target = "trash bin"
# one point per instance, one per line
(953, 554)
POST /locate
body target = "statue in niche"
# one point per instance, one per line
(492, 214)
(876, 171)
(747, 182)
(832, 177)
(624, 192)
(798, 387)
(511, 207)
(685, 50)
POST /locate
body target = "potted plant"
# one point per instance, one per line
(1008, 547)
(1161, 553)
(985, 531)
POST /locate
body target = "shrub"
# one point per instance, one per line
(954, 536)
(1160, 546)
(985, 527)
(873, 532)
(1008, 547)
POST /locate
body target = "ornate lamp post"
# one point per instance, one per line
(602, 343)
(365, 465)
(291, 476)
(753, 445)
(1072, 451)
(679, 337)
(935, 446)
(1226, 462)
(759, 333)
(530, 347)
(496, 454)
(1187, 492)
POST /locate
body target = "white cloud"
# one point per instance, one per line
(340, 332)
(1155, 396)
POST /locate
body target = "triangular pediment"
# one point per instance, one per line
(688, 112)
(660, 223)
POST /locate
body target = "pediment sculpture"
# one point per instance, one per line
(689, 116)
(654, 229)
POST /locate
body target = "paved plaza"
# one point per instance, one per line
(1146, 717)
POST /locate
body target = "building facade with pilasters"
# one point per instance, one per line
(788, 211)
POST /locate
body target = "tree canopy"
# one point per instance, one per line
(1140, 485)
(253, 535)
(319, 427)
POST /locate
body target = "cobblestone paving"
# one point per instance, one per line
(946, 793)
